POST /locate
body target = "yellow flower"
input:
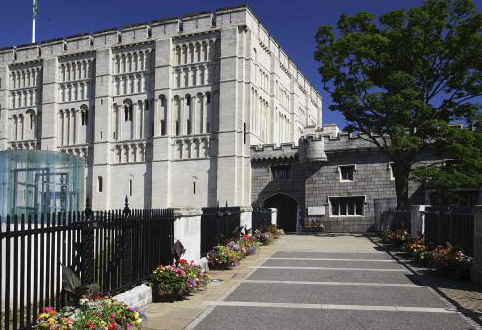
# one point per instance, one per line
(43, 315)
(52, 320)
(136, 315)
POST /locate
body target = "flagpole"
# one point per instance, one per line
(33, 25)
(33, 31)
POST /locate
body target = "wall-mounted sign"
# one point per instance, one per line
(316, 210)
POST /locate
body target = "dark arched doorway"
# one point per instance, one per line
(287, 211)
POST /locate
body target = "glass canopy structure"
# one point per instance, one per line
(38, 181)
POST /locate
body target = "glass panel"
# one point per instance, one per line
(351, 207)
(36, 181)
(343, 206)
(359, 206)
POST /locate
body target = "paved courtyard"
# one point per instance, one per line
(317, 282)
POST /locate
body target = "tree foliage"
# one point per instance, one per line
(461, 168)
(402, 79)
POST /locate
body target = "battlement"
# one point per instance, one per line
(191, 23)
(313, 146)
(271, 151)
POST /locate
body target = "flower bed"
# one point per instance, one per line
(94, 312)
(443, 260)
(172, 282)
(396, 237)
(229, 255)
(263, 236)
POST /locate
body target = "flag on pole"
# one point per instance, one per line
(34, 9)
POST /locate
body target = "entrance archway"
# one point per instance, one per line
(287, 211)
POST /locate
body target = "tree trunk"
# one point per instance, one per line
(401, 173)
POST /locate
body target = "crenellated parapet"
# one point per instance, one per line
(202, 25)
(312, 148)
(346, 141)
(272, 152)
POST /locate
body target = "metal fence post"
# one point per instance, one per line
(87, 254)
(127, 246)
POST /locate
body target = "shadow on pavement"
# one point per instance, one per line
(427, 277)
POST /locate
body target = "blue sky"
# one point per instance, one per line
(292, 23)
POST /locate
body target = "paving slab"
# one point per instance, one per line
(340, 295)
(259, 318)
(333, 264)
(328, 275)
(332, 255)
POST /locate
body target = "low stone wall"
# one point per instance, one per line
(477, 266)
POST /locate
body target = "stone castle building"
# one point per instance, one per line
(196, 111)
(163, 112)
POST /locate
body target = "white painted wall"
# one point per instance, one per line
(187, 229)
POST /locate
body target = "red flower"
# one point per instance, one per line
(91, 325)
(183, 261)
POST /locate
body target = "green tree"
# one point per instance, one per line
(461, 166)
(400, 80)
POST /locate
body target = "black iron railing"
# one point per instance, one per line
(261, 218)
(218, 225)
(115, 249)
(454, 225)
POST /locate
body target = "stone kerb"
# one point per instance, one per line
(477, 266)
(417, 219)
(187, 229)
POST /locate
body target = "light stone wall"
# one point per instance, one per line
(221, 68)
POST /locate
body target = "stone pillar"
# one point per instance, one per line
(477, 266)
(417, 219)
(274, 216)
(187, 229)
(134, 121)
(246, 218)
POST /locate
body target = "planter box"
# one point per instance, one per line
(165, 296)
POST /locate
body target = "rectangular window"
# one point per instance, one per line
(390, 167)
(163, 127)
(346, 172)
(130, 187)
(281, 172)
(177, 127)
(99, 184)
(347, 206)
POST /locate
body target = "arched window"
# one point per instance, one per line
(126, 112)
(32, 118)
(84, 117)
